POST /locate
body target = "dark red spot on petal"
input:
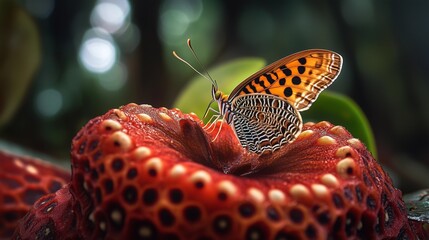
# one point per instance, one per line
(98, 195)
(152, 172)
(324, 217)
(176, 195)
(31, 178)
(108, 185)
(338, 200)
(246, 210)
(311, 232)
(130, 194)
(166, 217)
(10, 183)
(31, 195)
(222, 196)
(273, 214)
(222, 224)
(93, 145)
(117, 164)
(132, 173)
(192, 213)
(199, 184)
(371, 202)
(143, 229)
(257, 231)
(296, 215)
(150, 196)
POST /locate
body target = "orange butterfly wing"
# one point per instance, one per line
(299, 78)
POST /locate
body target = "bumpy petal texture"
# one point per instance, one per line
(23, 180)
(152, 173)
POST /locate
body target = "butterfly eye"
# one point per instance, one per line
(218, 95)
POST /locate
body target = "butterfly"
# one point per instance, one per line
(263, 110)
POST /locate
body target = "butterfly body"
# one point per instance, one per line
(264, 109)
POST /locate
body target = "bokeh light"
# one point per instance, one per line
(354, 10)
(40, 8)
(115, 78)
(264, 24)
(173, 25)
(112, 16)
(175, 18)
(49, 102)
(97, 54)
(130, 38)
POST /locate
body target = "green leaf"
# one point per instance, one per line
(335, 108)
(341, 110)
(20, 56)
(197, 95)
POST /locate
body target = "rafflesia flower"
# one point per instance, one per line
(150, 173)
(23, 180)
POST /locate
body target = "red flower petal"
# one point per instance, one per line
(145, 173)
(23, 180)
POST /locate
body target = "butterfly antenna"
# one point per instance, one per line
(184, 61)
(201, 65)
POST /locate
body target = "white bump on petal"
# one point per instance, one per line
(145, 232)
(276, 195)
(305, 134)
(143, 117)
(154, 163)
(31, 169)
(121, 115)
(346, 167)
(116, 216)
(18, 162)
(343, 152)
(177, 171)
(354, 142)
(121, 140)
(102, 226)
(111, 125)
(200, 176)
(164, 116)
(256, 194)
(359, 226)
(227, 187)
(85, 186)
(309, 124)
(142, 152)
(326, 140)
(330, 180)
(319, 190)
(323, 124)
(338, 130)
(49, 209)
(299, 191)
(91, 217)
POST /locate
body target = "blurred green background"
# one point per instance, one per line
(65, 62)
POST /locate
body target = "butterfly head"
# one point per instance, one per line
(216, 93)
